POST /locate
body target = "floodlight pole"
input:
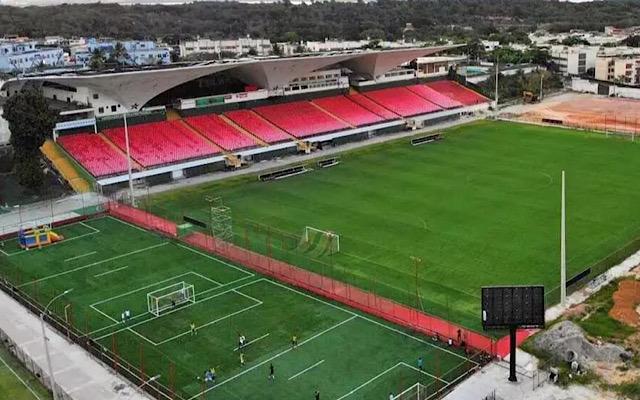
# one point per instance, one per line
(126, 139)
(46, 344)
(563, 249)
(541, 78)
(497, 72)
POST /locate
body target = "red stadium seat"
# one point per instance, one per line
(348, 111)
(94, 153)
(402, 101)
(372, 106)
(220, 132)
(434, 96)
(300, 118)
(258, 126)
(161, 143)
(458, 92)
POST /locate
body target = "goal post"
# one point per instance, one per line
(325, 241)
(170, 297)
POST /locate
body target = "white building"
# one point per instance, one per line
(262, 47)
(22, 56)
(428, 67)
(619, 64)
(574, 60)
(344, 45)
(140, 52)
(490, 45)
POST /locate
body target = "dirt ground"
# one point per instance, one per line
(626, 300)
(586, 111)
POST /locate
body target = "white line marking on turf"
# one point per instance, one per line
(111, 272)
(423, 372)
(20, 379)
(128, 328)
(273, 357)
(94, 264)
(252, 341)
(215, 321)
(80, 256)
(131, 225)
(306, 369)
(94, 229)
(4, 252)
(368, 382)
(372, 321)
(215, 259)
(169, 312)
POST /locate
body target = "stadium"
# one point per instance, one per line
(349, 213)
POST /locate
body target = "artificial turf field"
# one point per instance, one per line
(112, 265)
(481, 207)
(16, 382)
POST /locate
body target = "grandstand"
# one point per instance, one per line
(348, 111)
(435, 97)
(301, 118)
(94, 153)
(161, 143)
(458, 92)
(402, 101)
(214, 128)
(258, 126)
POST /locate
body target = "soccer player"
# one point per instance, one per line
(207, 376)
(390, 396)
(213, 374)
(294, 342)
(317, 394)
(420, 363)
(272, 372)
(242, 359)
(193, 329)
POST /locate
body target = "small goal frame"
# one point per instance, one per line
(169, 297)
(335, 238)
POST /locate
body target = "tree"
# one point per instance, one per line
(252, 51)
(97, 60)
(276, 49)
(31, 122)
(632, 41)
(574, 41)
(475, 50)
(119, 55)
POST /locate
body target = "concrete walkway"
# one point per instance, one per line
(76, 372)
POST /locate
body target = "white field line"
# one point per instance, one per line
(169, 312)
(20, 379)
(423, 372)
(215, 321)
(95, 263)
(215, 259)
(272, 357)
(253, 341)
(207, 279)
(111, 272)
(4, 252)
(155, 284)
(372, 321)
(368, 382)
(94, 229)
(129, 224)
(80, 256)
(306, 369)
(129, 329)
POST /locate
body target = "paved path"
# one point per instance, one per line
(77, 373)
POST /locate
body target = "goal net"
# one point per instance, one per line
(170, 297)
(321, 241)
(418, 391)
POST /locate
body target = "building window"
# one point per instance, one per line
(96, 96)
(114, 108)
(101, 110)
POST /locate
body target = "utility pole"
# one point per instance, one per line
(563, 249)
(128, 149)
(497, 72)
(541, 78)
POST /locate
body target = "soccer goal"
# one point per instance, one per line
(324, 241)
(417, 391)
(170, 297)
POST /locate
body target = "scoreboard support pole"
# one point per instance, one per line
(512, 354)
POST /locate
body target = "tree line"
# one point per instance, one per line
(283, 21)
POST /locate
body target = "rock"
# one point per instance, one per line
(566, 341)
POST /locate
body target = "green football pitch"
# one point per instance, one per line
(481, 207)
(16, 383)
(112, 266)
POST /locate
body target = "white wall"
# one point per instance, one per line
(584, 86)
(4, 129)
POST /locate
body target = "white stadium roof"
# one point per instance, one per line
(140, 86)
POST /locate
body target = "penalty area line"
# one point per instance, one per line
(306, 370)
(252, 341)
